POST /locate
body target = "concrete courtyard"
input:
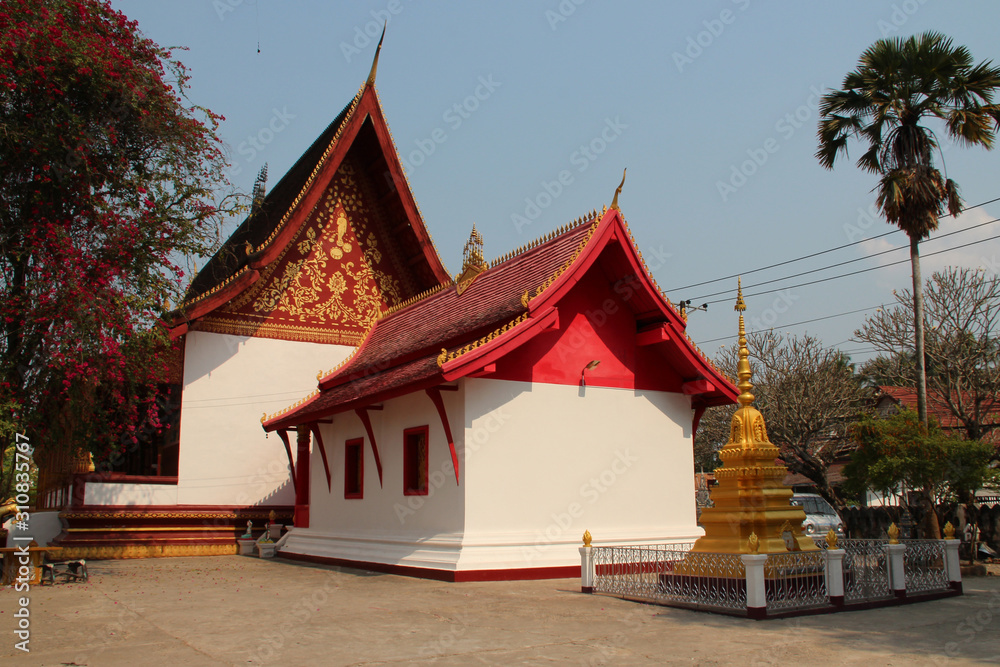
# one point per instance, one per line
(236, 610)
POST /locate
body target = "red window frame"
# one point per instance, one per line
(354, 468)
(415, 465)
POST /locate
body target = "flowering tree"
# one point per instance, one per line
(108, 176)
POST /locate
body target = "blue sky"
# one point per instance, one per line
(519, 117)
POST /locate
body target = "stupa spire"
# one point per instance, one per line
(743, 372)
(751, 498)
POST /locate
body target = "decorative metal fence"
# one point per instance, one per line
(634, 571)
(866, 570)
(707, 580)
(924, 566)
(671, 574)
(796, 580)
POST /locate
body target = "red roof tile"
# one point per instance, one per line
(400, 353)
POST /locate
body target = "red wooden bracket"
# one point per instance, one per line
(366, 420)
(435, 395)
(283, 434)
(322, 452)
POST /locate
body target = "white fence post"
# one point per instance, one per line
(897, 574)
(952, 565)
(756, 594)
(835, 576)
(586, 564)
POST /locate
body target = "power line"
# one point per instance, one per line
(795, 324)
(816, 254)
(859, 271)
(849, 261)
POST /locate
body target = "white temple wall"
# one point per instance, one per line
(546, 462)
(387, 526)
(229, 382)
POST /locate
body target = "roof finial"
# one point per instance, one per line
(259, 185)
(472, 254)
(743, 367)
(371, 75)
(472, 260)
(618, 191)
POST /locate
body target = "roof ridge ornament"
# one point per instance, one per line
(472, 260)
(618, 191)
(371, 75)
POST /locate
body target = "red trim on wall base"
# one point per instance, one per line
(587, 589)
(453, 576)
(757, 613)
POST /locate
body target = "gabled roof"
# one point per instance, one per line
(264, 235)
(457, 330)
(938, 407)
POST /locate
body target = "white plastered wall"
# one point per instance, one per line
(546, 462)
(539, 464)
(386, 526)
(229, 382)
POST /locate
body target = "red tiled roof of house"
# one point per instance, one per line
(939, 409)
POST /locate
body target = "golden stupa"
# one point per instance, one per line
(752, 512)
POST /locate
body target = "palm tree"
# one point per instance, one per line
(898, 84)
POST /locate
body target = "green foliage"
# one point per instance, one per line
(898, 452)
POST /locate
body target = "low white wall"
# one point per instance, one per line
(539, 464)
(118, 493)
(546, 462)
(229, 382)
(386, 526)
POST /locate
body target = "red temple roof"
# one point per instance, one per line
(457, 330)
(360, 129)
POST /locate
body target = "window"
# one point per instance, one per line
(415, 461)
(354, 468)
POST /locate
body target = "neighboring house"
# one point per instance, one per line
(481, 428)
(336, 242)
(889, 399)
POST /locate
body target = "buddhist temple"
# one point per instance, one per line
(458, 427)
